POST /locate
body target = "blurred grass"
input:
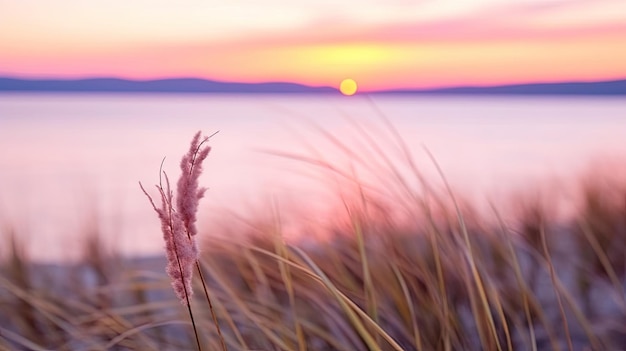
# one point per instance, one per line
(399, 265)
(370, 284)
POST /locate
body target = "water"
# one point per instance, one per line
(71, 163)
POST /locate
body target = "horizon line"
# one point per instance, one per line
(298, 87)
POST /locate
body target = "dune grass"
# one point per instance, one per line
(396, 268)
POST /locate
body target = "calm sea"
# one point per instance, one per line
(71, 163)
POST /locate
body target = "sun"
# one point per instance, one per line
(348, 87)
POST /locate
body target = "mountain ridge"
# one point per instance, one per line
(168, 85)
(199, 85)
(608, 87)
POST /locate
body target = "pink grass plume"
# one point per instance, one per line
(178, 223)
(189, 194)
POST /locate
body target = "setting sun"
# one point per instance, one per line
(348, 87)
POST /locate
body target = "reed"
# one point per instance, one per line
(178, 225)
(399, 266)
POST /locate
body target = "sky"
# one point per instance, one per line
(382, 44)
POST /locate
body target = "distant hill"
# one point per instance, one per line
(194, 85)
(175, 85)
(614, 87)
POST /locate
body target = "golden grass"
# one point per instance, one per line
(376, 285)
(398, 268)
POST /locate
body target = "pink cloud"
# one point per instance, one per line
(510, 42)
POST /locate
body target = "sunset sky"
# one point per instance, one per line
(379, 43)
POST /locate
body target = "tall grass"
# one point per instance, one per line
(397, 267)
(178, 224)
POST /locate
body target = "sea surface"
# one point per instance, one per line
(71, 163)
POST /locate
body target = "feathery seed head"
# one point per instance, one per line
(178, 224)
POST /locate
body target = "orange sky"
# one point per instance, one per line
(379, 43)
